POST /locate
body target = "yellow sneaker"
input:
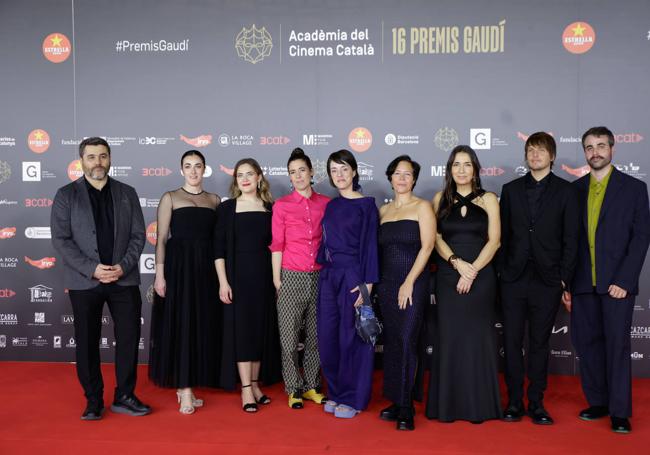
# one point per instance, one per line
(314, 396)
(295, 402)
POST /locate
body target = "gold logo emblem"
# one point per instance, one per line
(253, 44)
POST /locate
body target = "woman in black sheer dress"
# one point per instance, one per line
(186, 316)
(464, 378)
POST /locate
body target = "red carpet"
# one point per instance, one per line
(41, 403)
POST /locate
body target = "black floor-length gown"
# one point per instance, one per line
(254, 294)
(399, 243)
(186, 323)
(464, 381)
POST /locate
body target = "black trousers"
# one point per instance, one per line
(600, 328)
(125, 305)
(528, 299)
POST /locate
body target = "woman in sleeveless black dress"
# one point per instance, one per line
(464, 378)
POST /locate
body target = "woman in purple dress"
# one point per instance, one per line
(348, 254)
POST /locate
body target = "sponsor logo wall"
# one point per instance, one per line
(235, 82)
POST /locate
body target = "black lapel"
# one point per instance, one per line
(520, 192)
(584, 199)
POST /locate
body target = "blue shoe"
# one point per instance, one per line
(330, 406)
(343, 411)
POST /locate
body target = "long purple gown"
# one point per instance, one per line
(348, 254)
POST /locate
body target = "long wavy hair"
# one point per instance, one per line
(263, 190)
(447, 200)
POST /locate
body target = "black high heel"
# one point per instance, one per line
(249, 407)
(263, 399)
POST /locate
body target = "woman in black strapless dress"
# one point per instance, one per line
(464, 381)
(406, 237)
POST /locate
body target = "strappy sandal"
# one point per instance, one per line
(196, 402)
(185, 409)
(263, 399)
(251, 408)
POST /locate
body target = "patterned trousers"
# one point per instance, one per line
(297, 309)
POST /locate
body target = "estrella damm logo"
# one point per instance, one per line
(360, 139)
(56, 47)
(578, 37)
(38, 141)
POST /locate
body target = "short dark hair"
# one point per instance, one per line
(193, 153)
(93, 141)
(599, 131)
(344, 157)
(390, 170)
(544, 140)
(299, 154)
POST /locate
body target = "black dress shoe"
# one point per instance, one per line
(621, 425)
(594, 412)
(93, 411)
(389, 413)
(130, 405)
(539, 415)
(513, 412)
(405, 419)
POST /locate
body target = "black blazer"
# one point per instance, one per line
(551, 240)
(622, 235)
(224, 246)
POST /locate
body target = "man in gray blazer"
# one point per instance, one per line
(98, 229)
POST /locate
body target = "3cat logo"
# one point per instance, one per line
(578, 37)
(360, 139)
(198, 141)
(7, 233)
(42, 202)
(274, 140)
(156, 172)
(56, 47)
(74, 170)
(628, 138)
(152, 233)
(38, 141)
(577, 171)
(491, 171)
(43, 263)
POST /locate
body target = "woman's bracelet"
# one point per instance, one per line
(452, 261)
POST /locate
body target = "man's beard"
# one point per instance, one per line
(603, 162)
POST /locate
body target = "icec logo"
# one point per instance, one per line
(31, 171)
(147, 263)
(480, 138)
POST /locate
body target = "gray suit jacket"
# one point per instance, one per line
(74, 238)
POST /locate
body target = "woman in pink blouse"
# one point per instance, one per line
(296, 227)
